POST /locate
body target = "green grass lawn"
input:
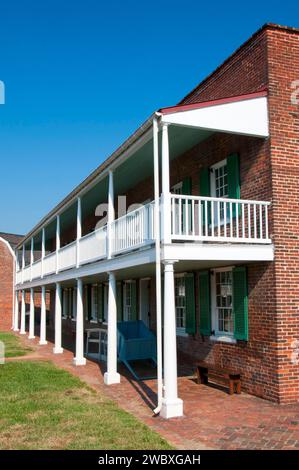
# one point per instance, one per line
(43, 407)
(13, 346)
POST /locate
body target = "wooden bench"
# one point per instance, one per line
(229, 377)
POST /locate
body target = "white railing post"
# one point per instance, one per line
(111, 216)
(31, 315)
(57, 242)
(166, 197)
(112, 376)
(43, 251)
(79, 230)
(31, 257)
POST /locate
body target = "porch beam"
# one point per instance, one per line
(23, 313)
(16, 311)
(111, 215)
(42, 336)
(57, 242)
(165, 198)
(79, 229)
(79, 359)
(58, 319)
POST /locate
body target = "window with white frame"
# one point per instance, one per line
(128, 301)
(180, 303)
(94, 303)
(222, 302)
(219, 185)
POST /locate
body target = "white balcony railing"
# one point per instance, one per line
(133, 230)
(49, 266)
(67, 256)
(93, 246)
(219, 219)
(193, 218)
(36, 269)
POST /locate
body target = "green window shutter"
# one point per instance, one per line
(240, 303)
(190, 304)
(204, 303)
(233, 179)
(187, 186)
(119, 301)
(204, 190)
(134, 300)
(100, 302)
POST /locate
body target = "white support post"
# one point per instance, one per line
(111, 215)
(43, 251)
(16, 312)
(57, 242)
(79, 359)
(58, 310)
(112, 376)
(172, 406)
(31, 315)
(23, 263)
(31, 257)
(42, 337)
(23, 318)
(79, 229)
(166, 197)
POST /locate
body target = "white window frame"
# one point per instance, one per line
(219, 335)
(180, 331)
(126, 316)
(214, 167)
(94, 305)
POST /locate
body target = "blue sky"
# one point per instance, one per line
(80, 76)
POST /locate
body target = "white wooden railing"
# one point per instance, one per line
(219, 219)
(49, 264)
(133, 230)
(36, 269)
(93, 246)
(193, 218)
(67, 256)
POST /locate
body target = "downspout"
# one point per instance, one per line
(158, 263)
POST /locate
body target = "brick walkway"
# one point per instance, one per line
(213, 419)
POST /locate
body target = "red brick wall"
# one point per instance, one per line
(283, 59)
(6, 286)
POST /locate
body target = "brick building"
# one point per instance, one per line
(227, 193)
(8, 243)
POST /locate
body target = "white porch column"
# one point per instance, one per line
(42, 337)
(31, 317)
(23, 318)
(16, 312)
(57, 242)
(23, 262)
(165, 199)
(43, 250)
(111, 214)
(79, 359)
(58, 310)
(172, 406)
(112, 376)
(79, 229)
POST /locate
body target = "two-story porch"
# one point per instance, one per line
(96, 251)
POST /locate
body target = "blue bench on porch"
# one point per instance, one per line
(135, 343)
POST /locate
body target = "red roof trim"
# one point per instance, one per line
(205, 104)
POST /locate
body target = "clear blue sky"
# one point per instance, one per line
(80, 76)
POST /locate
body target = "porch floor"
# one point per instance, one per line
(213, 419)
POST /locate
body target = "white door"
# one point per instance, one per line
(145, 301)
